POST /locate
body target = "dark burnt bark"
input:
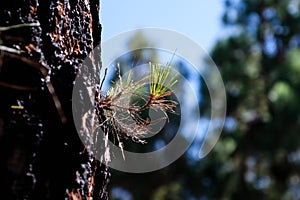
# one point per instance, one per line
(41, 155)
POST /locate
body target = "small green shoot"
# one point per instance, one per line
(160, 81)
(127, 102)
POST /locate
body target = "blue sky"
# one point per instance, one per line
(198, 19)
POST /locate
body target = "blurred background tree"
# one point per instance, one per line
(258, 154)
(259, 62)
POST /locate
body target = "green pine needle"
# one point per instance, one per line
(160, 81)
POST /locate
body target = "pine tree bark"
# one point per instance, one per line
(43, 44)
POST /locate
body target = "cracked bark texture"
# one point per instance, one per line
(41, 154)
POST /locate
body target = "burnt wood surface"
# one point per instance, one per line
(41, 155)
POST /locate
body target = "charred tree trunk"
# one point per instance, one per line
(42, 47)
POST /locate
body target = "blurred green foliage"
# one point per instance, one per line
(258, 156)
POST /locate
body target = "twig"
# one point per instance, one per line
(6, 28)
(102, 82)
(10, 50)
(17, 87)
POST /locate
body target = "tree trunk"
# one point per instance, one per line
(43, 45)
